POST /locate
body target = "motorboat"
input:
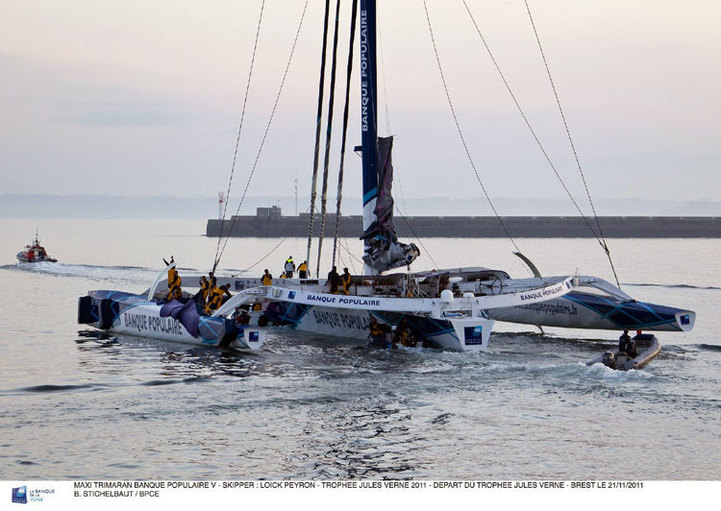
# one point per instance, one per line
(35, 253)
(647, 349)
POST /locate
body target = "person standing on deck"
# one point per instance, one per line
(303, 270)
(333, 280)
(267, 278)
(345, 278)
(174, 281)
(289, 267)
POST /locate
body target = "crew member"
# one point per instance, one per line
(289, 267)
(174, 281)
(218, 295)
(377, 334)
(626, 345)
(204, 288)
(403, 335)
(345, 279)
(267, 279)
(333, 280)
(303, 270)
(241, 316)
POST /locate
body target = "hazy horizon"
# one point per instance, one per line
(205, 207)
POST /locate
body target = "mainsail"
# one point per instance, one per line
(383, 251)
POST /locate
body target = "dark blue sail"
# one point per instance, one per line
(382, 251)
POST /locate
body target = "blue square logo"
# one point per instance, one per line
(252, 336)
(20, 495)
(473, 335)
(291, 295)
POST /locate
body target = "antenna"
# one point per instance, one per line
(221, 201)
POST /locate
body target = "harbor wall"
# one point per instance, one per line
(478, 227)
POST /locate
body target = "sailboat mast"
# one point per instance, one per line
(368, 98)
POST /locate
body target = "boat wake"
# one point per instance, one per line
(130, 274)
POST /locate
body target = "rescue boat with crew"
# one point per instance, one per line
(647, 349)
(35, 253)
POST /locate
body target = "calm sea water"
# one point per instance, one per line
(74, 405)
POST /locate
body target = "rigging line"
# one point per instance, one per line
(528, 122)
(415, 235)
(602, 241)
(265, 133)
(319, 116)
(349, 73)
(460, 132)
(397, 178)
(240, 126)
(351, 254)
(265, 256)
(525, 118)
(328, 133)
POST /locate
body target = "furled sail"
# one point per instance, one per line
(383, 251)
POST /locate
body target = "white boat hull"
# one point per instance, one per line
(126, 314)
(453, 334)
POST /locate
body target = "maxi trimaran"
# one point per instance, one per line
(450, 309)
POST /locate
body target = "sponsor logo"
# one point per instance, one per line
(344, 300)
(20, 495)
(291, 295)
(335, 320)
(542, 293)
(473, 335)
(365, 92)
(253, 337)
(551, 308)
(143, 323)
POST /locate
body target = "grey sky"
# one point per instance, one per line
(143, 97)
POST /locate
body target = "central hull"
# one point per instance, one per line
(453, 334)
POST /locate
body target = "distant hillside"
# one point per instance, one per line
(100, 206)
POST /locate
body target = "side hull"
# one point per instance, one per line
(589, 311)
(132, 315)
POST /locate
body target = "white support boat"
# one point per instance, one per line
(647, 349)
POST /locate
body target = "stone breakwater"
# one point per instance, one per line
(484, 227)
